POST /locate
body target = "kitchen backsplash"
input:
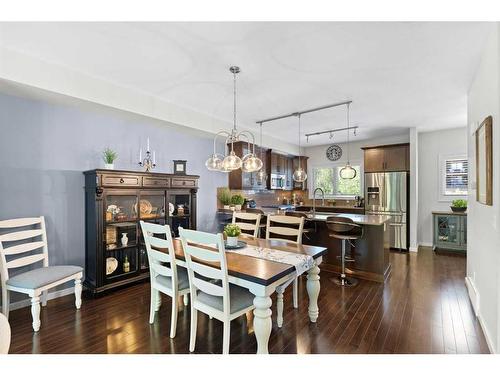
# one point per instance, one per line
(273, 197)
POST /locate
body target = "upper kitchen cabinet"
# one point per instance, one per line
(389, 158)
(244, 180)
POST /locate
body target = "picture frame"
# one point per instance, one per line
(180, 167)
(484, 162)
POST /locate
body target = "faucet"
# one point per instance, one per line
(314, 199)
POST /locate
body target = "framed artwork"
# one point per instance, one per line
(179, 166)
(484, 162)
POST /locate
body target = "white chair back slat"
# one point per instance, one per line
(24, 261)
(203, 254)
(196, 257)
(274, 228)
(157, 259)
(23, 248)
(238, 216)
(161, 270)
(21, 235)
(18, 223)
(208, 288)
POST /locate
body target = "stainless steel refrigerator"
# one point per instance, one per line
(387, 194)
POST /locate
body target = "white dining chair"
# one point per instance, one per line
(4, 334)
(289, 229)
(249, 223)
(38, 281)
(166, 277)
(211, 292)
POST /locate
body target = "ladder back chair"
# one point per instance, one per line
(249, 223)
(211, 292)
(14, 244)
(4, 334)
(289, 229)
(166, 277)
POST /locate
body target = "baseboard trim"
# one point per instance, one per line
(426, 244)
(51, 295)
(413, 249)
(474, 298)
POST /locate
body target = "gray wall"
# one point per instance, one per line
(44, 148)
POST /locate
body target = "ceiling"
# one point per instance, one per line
(399, 75)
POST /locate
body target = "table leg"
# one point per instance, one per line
(313, 292)
(262, 323)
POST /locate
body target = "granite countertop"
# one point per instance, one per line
(356, 218)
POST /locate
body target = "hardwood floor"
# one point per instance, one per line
(422, 308)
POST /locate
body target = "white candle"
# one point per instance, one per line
(140, 155)
(148, 145)
(154, 157)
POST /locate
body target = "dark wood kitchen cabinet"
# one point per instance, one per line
(389, 158)
(240, 180)
(115, 203)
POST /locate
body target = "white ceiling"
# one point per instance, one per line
(399, 75)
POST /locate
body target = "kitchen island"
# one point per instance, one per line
(371, 252)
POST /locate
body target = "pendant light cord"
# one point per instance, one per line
(348, 148)
(300, 150)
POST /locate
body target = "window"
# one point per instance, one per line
(454, 176)
(328, 179)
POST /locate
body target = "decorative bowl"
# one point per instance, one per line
(458, 209)
(111, 265)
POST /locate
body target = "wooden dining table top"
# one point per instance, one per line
(260, 271)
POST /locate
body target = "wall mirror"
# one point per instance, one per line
(484, 162)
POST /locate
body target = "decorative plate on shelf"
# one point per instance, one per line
(111, 265)
(334, 152)
(171, 208)
(145, 206)
(240, 245)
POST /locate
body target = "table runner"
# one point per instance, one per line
(301, 262)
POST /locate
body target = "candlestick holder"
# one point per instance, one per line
(148, 162)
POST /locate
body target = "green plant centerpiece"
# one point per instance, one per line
(459, 205)
(237, 200)
(225, 197)
(232, 231)
(109, 156)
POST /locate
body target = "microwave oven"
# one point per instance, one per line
(278, 181)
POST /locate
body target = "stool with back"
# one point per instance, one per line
(346, 230)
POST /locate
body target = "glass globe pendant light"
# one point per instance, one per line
(300, 174)
(347, 172)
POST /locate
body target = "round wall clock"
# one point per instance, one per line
(334, 152)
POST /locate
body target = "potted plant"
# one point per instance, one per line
(109, 156)
(459, 205)
(232, 231)
(225, 197)
(238, 201)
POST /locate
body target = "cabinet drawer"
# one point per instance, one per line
(155, 181)
(184, 182)
(114, 180)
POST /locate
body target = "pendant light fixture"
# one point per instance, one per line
(347, 172)
(227, 163)
(261, 174)
(299, 175)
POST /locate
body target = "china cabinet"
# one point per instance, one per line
(115, 202)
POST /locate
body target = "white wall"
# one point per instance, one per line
(483, 268)
(431, 147)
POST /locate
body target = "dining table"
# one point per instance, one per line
(262, 277)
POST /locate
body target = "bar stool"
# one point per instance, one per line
(344, 229)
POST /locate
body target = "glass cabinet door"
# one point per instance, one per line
(448, 230)
(152, 206)
(179, 211)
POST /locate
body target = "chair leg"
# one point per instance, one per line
(194, 324)
(296, 293)
(35, 312)
(78, 293)
(5, 302)
(158, 300)
(173, 318)
(227, 337)
(44, 298)
(279, 307)
(152, 306)
(186, 299)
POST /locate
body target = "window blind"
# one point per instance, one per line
(456, 176)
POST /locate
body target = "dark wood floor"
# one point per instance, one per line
(423, 308)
